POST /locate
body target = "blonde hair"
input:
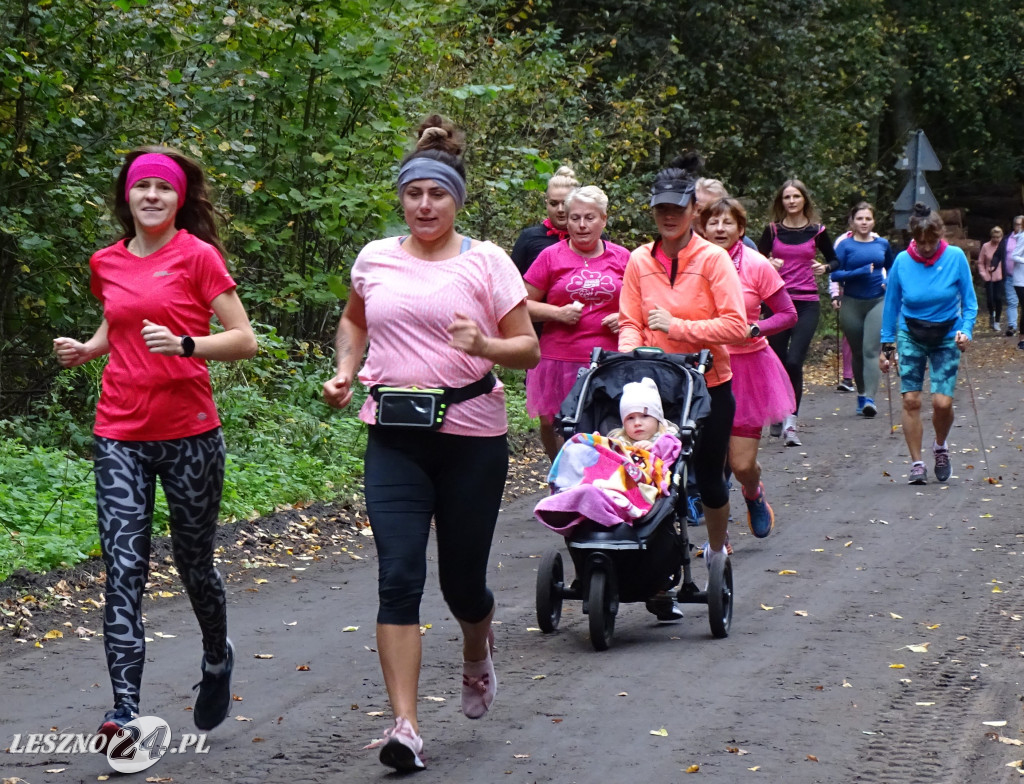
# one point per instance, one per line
(588, 194)
(565, 177)
(714, 188)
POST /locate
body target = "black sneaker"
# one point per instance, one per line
(664, 607)
(213, 703)
(942, 467)
(846, 385)
(115, 719)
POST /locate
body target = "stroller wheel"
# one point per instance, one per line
(602, 604)
(720, 596)
(550, 581)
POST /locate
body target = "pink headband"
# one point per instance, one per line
(153, 164)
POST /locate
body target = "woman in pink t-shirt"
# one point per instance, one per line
(760, 383)
(438, 310)
(159, 285)
(573, 288)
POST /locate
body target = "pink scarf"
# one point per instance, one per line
(736, 254)
(912, 252)
(562, 234)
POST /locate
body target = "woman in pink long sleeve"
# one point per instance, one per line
(991, 271)
(759, 380)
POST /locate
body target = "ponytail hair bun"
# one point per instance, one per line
(436, 133)
(925, 222)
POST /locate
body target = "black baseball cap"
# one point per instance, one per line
(678, 192)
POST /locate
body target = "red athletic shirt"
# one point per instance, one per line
(146, 396)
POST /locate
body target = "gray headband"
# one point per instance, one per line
(441, 173)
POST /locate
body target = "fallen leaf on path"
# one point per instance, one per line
(53, 634)
(895, 617)
(812, 758)
(242, 718)
(539, 677)
(934, 626)
(103, 777)
(303, 668)
(661, 733)
(755, 769)
(48, 770)
(521, 756)
(158, 779)
(801, 613)
(163, 636)
(261, 580)
(532, 628)
(766, 607)
(997, 589)
(847, 684)
(1001, 723)
(435, 699)
(923, 648)
(896, 666)
(351, 629)
(622, 694)
(736, 750)
(788, 571)
(693, 769)
(263, 656)
(1016, 764)
(290, 623)
(257, 740)
(924, 704)
(847, 544)
(1003, 739)
(375, 713)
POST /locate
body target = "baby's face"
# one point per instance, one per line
(640, 427)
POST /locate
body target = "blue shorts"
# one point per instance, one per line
(944, 360)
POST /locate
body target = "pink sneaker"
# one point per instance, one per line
(400, 747)
(479, 683)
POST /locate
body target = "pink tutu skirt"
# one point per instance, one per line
(762, 390)
(548, 384)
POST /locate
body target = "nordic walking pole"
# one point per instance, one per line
(977, 419)
(888, 392)
(839, 352)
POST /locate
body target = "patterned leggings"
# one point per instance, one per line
(191, 471)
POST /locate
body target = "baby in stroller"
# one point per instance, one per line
(615, 478)
(636, 552)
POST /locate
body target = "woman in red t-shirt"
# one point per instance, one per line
(159, 284)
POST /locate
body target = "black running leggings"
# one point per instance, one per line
(791, 345)
(713, 447)
(412, 477)
(191, 471)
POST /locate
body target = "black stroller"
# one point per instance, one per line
(631, 562)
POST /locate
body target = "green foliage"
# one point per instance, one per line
(299, 113)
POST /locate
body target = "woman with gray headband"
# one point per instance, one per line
(438, 311)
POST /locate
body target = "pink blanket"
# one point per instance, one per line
(606, 481)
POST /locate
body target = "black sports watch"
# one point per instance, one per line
(187, 346)
(755, 330)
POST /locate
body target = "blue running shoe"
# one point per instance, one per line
(760, 516)
(694, 510)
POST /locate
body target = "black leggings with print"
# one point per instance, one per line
(191, 471)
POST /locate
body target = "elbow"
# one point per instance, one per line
(250, 347)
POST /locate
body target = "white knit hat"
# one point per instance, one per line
(641, 396)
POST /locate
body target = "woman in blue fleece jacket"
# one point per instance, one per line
(928, 317)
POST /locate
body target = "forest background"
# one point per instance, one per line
(299, 111)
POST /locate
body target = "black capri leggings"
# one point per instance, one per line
(791, 345)
(713, 447)
(412, 477)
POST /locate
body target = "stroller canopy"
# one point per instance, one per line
(593, 403)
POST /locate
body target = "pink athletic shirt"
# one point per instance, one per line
(759, 280)
(409, 305)
(566, 277)
(147, 396)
